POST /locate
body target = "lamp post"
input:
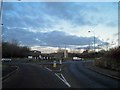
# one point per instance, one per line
(93, 40)
(98, 47)
(89, 41)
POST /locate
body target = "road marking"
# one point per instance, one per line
(48, 69)
(63, 79)
(7, 76)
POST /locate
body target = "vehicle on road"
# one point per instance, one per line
(77, 59)
(6, 60)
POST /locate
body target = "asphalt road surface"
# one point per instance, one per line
(75, 72)
(32, 76)
(79, 76)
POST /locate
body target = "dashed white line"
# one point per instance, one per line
(48, 69)
(63, 79)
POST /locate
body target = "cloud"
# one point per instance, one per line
(45, 14)
(73, 12)
(26, 15)
(56, 24)
(112, 24)
(54, 38)
(8, 6)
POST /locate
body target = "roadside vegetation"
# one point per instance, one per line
(110, 60)
(104, 59)
(14, 50)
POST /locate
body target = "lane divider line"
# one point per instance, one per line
(63, 79)
(48, 69)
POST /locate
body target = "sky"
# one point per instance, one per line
(60, 24)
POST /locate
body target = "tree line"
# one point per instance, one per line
(13, 50)
(110, 60)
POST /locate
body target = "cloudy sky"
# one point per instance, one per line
(58, 24)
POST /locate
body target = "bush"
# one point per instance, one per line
(11, 50)
(111, 60)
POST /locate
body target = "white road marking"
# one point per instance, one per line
(7, 76)
(63, 79)
(48, 69)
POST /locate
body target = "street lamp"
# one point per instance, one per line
(94, 39)
(89, 41)
(98, 47)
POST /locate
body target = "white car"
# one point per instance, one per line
(77, 59)
(6, 60)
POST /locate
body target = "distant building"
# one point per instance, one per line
(35, 54)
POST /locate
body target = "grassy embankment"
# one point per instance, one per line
(110, 60)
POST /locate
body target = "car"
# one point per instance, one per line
(77, 59)
(6, 60)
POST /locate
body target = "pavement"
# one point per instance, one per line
(107, 72)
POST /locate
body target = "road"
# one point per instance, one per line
(32, 76)
(76, 74)
(79, 76)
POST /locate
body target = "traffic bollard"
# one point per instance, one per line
(54, 64)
